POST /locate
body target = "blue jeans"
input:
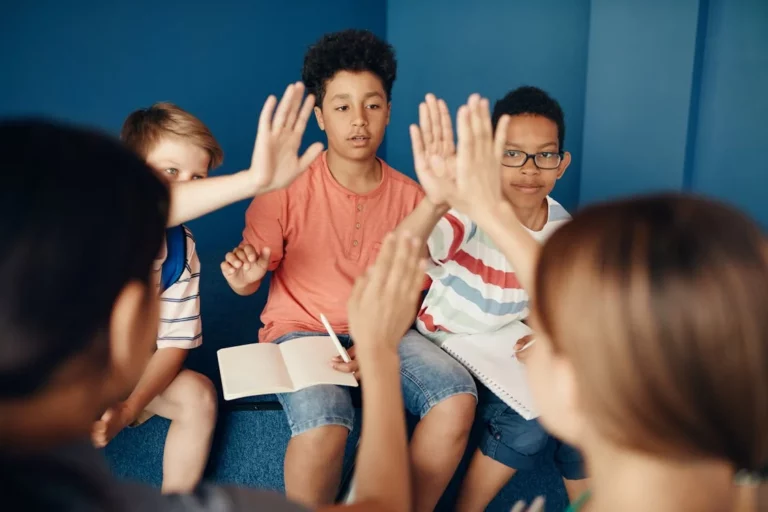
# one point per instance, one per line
(428, 376)
(519, 443)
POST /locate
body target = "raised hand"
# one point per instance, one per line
(275, 162)
(478, 157)
(474, 187)
(384, 300)
(434, 152)
(244, 266)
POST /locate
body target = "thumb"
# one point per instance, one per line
(107, 416)
(310, 155)
(264, 255)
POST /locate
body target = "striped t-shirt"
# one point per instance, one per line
(180, 324)
(474, 288)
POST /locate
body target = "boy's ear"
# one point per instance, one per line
(389, 111)
(319, 117)
(564, 164)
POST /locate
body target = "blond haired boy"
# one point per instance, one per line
(179, 147)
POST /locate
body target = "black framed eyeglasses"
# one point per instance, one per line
(546, 160)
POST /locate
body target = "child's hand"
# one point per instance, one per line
(244, 266)
(475, 186)
(384, 300)
(434, 152)
(111, 423)
(537, 505)
(523, 356)
(478, 158)
(275, 162)
(352, 367)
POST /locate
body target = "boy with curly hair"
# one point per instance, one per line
(329, 224)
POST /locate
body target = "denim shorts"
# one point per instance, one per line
(522, 444)
(428, 376)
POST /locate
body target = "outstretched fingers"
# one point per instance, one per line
(283, 108)
(500, 137)
(265, 118)
(449, 147)
(425, 125)
(304, 114)
(420, 161)
(435, 122)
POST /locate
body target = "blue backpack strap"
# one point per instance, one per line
(173, 266)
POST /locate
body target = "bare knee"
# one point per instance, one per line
(196, 397)
(322, 444)
(454, 416)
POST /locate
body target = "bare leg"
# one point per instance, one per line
(313, 463)
(484, 480)
(190, 403)
(437, 445)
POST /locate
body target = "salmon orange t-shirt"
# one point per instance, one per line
(320, 232)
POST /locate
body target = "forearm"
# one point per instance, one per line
(422, 220)
(163, 367)
(382, 476)
(193, 199)
(509, 235)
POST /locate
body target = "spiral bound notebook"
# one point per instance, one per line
(491, 358)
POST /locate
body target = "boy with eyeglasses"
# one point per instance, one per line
(475, 289)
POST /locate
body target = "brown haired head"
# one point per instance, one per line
(660, 305)
(145, 127)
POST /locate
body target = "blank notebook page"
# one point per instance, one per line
(254, 369)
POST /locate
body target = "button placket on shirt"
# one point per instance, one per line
(357, 233)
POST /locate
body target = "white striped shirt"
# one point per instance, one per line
(180, 323)
(474, 287)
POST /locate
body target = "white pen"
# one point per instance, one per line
(342, 352)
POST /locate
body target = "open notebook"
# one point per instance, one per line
(266, 368)
(490, 357)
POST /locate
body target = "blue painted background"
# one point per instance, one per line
(729, 160)
(638, 92)
(676, 99)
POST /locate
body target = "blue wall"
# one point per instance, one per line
(453, 50)
(639, 80)
(730, 161)
(677, 99)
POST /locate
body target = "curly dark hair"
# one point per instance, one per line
(348, 50)
(533, 101)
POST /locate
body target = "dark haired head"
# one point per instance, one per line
(80, 217)
(348, 50)
(529, 100)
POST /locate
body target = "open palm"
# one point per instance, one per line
(478, 161)
(275, 162)
(434, 150)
